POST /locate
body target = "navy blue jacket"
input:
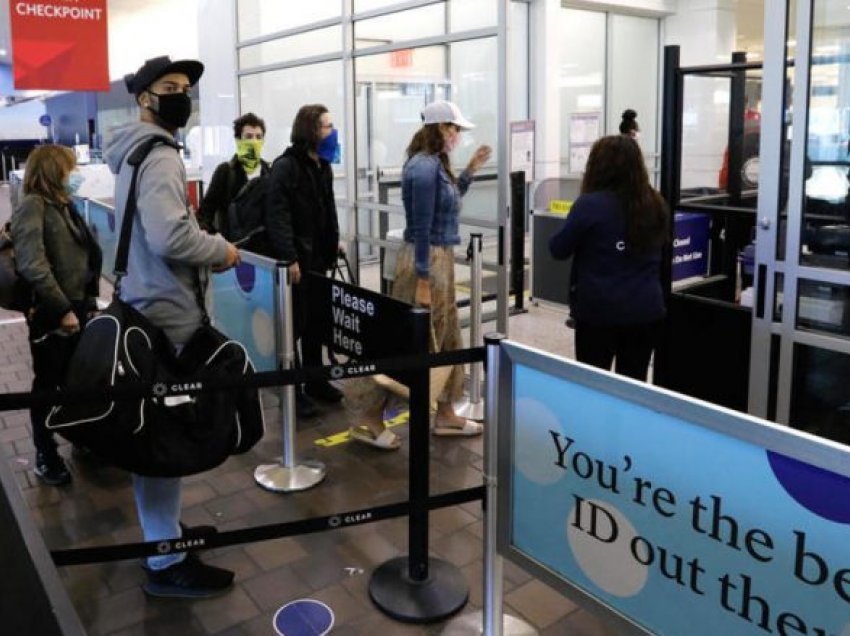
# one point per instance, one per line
(613, 285)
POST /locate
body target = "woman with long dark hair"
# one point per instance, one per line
(303, 229)
(60, 260)
(616, 231)
(424, 273)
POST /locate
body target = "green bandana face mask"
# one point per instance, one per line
(248, 151)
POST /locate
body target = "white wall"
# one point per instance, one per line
(218, 87)
(142, 30)
(21, 121)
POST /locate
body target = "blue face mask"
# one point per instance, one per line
(329, 148)
(75, 180)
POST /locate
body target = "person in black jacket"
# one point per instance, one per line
(302, 227)
(57, 255)
(231, 176)
(616, 231)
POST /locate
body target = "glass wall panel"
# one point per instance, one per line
(398, 27)
(262, 17)
(633, 77)
(318, 42)
(465, 15)
(276, 96)
(826, 220)
(705, 134)
(581, 80)
(518, 63)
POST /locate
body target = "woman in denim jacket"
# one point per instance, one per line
(424, 272)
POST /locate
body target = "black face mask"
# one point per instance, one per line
(173, 108)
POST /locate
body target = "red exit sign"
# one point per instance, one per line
(402, 58)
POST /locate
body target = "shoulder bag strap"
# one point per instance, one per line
(135, 159)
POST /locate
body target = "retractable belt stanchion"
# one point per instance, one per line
(492, 621)
(474, 409)
(416, 588)
(288, 475)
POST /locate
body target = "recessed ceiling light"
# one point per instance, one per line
(2, 51)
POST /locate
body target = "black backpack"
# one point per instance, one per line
(245, 214)
(15, 291)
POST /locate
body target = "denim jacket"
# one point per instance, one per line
(431, 206)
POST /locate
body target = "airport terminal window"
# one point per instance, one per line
(317, 42)
(465, 15)
(581, 82)
(826, 214)
(390, 98)
(277, 95)
(608, 64)
(633, 77)
(397, 27)
(263, 17)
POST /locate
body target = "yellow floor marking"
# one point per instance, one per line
(343, 437)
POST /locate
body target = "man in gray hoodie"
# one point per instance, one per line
(168, 253)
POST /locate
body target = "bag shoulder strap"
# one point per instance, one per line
(135, 160)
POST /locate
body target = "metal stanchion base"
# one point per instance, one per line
(278, 478)
(470, 410)
(443, 593)
(474, 624)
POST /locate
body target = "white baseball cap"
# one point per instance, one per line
(442, 112)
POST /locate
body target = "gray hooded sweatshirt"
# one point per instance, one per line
(167, 247)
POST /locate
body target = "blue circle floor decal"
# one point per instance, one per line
(304, 617)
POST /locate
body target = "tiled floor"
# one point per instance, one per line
(333, 567)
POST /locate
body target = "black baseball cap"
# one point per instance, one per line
(156, 67)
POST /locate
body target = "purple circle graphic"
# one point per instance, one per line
(820, 491)
(246, 276)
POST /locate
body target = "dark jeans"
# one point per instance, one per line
(628, 346)
(51, 355)
(304, 328)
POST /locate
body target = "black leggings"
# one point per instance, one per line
(628, 346)
(51, 354)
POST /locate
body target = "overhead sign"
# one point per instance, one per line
(60, 44)
(679, 516)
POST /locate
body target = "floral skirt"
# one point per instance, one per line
(364, 395)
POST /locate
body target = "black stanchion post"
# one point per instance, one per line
(518, 240)
(416, 588)
(420, 454)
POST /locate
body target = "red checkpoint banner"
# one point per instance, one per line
(60, 44)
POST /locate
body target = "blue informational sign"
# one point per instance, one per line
(304, 617)
(243, 308)
(690, 245)
(45, 120)
(682, 528)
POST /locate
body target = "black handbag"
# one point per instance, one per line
(158, 435)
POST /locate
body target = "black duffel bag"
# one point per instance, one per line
(158, 435)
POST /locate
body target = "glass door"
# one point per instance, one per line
(801, 343)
